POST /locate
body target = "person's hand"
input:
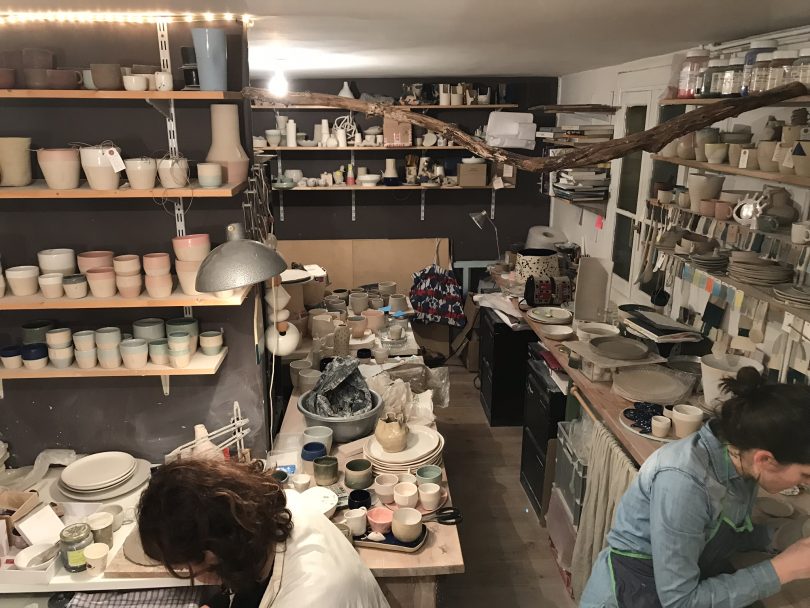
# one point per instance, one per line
(794, 562)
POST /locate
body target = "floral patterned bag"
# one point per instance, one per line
(436, 295)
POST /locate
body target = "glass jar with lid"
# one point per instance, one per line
(696, 60)
(781, 68)
(760, 74)
(801, 68)
(755, 48)
(732, 77)
(713, 78)
(72, 541)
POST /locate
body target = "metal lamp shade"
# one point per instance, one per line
(479, 218)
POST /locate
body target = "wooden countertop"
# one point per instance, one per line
(441, 553)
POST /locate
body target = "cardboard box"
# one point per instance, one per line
(471, 176)
(21, 503)
(396, 134)
(507, 172)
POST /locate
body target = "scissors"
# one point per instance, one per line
(447, 516)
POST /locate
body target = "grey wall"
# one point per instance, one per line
(118, 413)
(395, 214)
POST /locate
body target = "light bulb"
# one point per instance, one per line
(278, 85)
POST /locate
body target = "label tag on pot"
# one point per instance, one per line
(744, 158)
(778, 154)
(115, 160)
(788, 160)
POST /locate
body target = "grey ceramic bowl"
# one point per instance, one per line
(74, 279)
(211, 350)
(134, 346)
(160, 346)
(346, 429)
(108, 337)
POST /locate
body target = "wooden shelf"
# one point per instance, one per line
(39, 189)
(492, 106)
(177, 299)
(600, 208)
(585, 108)
(200, 365)
(804, 100)
(123, 95)
(314, 149)
(382, 188)
(781, 178)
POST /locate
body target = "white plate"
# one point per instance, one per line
(117, 482)
(97, 470)
(295, 275)
(651, 385)
(422, 441)
(321, 499)
(556, 332)
(626, 424)
(551, 315)
(142, 473)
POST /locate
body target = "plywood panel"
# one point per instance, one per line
(334, 256)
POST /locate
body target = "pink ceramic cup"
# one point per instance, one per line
(192, 247)
(129, 286)
(94, 259)
(187, 275)
(157, 264)
(101, 281)
(159, 286)
(127, 264)
(380, 519)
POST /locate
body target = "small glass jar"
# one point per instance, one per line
(781, 68)
(760, 73)
(755, 48)
(801, 68)
(73, 539)
(732, 77)
(713, 78)
(696, 61)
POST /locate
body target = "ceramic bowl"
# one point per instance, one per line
(157, 264)
(23, 280)
(109, 358)
(85, 359)
(379, 519)
(141, 173)
(107, 337)
(273, 137)
(159, 351)
(716, 154)
(127, 264)
(51, 285)
(187, 276)
(135, 82)
(192, 247)
(94, 259)
(61, 357)
(58, 338)
(369, 180)
(101, 281)
(84, 340)
(173, 172)
(34, 332)
(107, 76)
(588, 330)
(179, 358)
(428, 474)
(29, 553)
(75, 286)
(211, 342)
(135, 353)
(159, 287)
(62, 261)
(687, 419)
(149, 329)
(129, 286)
(34, 356)
(11, 358)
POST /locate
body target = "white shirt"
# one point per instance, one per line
(317, 566)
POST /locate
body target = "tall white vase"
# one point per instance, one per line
(226, 149)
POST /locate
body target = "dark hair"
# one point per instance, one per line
(773, 417)
(233, 510)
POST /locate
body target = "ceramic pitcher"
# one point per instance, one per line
(392, 433)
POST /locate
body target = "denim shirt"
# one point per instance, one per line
(684, 493)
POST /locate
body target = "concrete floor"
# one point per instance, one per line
(506, 553)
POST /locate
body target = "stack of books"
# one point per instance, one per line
(580, 185)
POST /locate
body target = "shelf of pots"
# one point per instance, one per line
(796, 101)
(342, 188)
(492, 106)
(121, 95)
(320, 150)
(39, 189)
(780, 178)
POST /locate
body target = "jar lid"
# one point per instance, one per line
(764, 57)
(785, 54)
(74, 533)
(717, 63)
(697, 53)
(762, 43)
(804, 52)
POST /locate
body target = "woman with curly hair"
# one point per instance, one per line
(231, 524)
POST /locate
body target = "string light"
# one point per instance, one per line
(22, 17)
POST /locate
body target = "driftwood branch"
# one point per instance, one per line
(651, 140)
(573, 108)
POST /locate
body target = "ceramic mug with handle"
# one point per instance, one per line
(356, 520)
(800, 233)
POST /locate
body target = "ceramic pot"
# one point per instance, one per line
(129, 286)
(537, 263)
(101, 281)
(51, 285)
(135, 353)
(780, 207)
(226, 149)
(211, 49)
(157, 264)
(708, 135)
(703, 187)
(187, 275)
(15, 161)
(107, 76)
(670, 150)
(173, 172)
(141, 173)
(94, 259)
(97, 168)
(342, 336)
(194, 248)
(35, 78)
(64, 79)
(686, 147)
(159, 286)
(407, 525)
(22, 280)
(60, 166)
(765, 152)
(398, 302)
(179, 359)
(75, 286)
(392, 433)
(376, 319)
(716, 153)
(209, 175)
(62, 261)
(357, 326)
(127, 264)
(801, 158)
(189, 325)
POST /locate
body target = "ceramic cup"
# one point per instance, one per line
(301, 482)
(357, 474)
(384, 487)
(157, 264)
(281, 476)
(189, 325)
(101, 281)
(319, 434)
(357, 325)
(179, 340)
(85, 340)
(209, 175)
(430, 495)
(359, 498)
(109, 358)
(405, 494)
(309, 453)
(406, 525)
(107, 337)
(164, 81)
(179, 358)
(395, 332)
(135, 353)
(295, 368)
(159, 287)
(85, 359)
(379, 520)
(75, 286)
(211, 342)
(10, 355)
(723, 210)
(129, 286)
(356, 520)
(61, 358)
(661, 426)
(101, 525)
(687, 419)
(136, 82)
(307, 379)
(325, 470)
(96, 557)
(665, 196)
(107, 76)
(159, 351)
(800, 233)
(358, 302)
(429, 474)
(51, 285)
(59, 338)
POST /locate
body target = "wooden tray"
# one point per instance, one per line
(392, 544)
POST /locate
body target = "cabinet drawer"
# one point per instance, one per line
(535, 411)
(532, 468)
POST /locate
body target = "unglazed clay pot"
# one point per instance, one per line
(703, 187)
(15, 161)
(392, 433)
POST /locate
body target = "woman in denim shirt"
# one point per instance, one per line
(690, 507)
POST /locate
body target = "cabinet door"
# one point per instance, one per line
(532, 469)
(486, 386)
(535, 413)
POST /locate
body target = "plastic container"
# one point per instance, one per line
(570, 472)
(760, 73)
(712, 83)
(696, 60)
(781, 68)
(801, 68)
(756, 47)
(732, 77)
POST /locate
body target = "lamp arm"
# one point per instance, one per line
(497, 242)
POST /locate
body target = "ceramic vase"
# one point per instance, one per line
(765, 152)
(226, 149)
(703, 187)
(392, 433)
(346, 91)
(342, 336)
(780, 206)
(211, 48)
(15, 161)
(282, 339)
(537, 263)
(686, 147)
(391, 168)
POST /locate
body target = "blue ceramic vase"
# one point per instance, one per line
(211, 48)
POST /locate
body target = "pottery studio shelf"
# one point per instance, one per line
(492, 106)
(315, 149)
(384, 188)
(804, 100)
(39, 189)
(200, 365)
(781, 178)
(600, 208)
(177, 299)
(122, 95)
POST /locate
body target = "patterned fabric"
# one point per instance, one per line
(173, 597)
(436, 297)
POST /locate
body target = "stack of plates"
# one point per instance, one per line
(795, 296)
(709, 262)
(766, 272)
(551, 315)
(654, 384)
(424, 447)
(103, 476)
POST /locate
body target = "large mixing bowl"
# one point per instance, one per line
(346, 429)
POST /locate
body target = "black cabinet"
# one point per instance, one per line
(532, 470)
(502, 369)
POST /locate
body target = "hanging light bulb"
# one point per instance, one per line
(278, 85)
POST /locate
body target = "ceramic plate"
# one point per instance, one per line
(404, 468)
(142, 473)
(670, 438)
(422, 441)
(551, 315)
(658, 385)
(97, 470)
(556, 332)
(109, 486)
(295, 275)
(429, 139)
(442, 501)
(616, 347)
(322, 499)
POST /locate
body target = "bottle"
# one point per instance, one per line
(801, 68)
(754, 50)
(760, 73)
(696, 59)
(781, 68)
(712, 83)
(732, 77)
